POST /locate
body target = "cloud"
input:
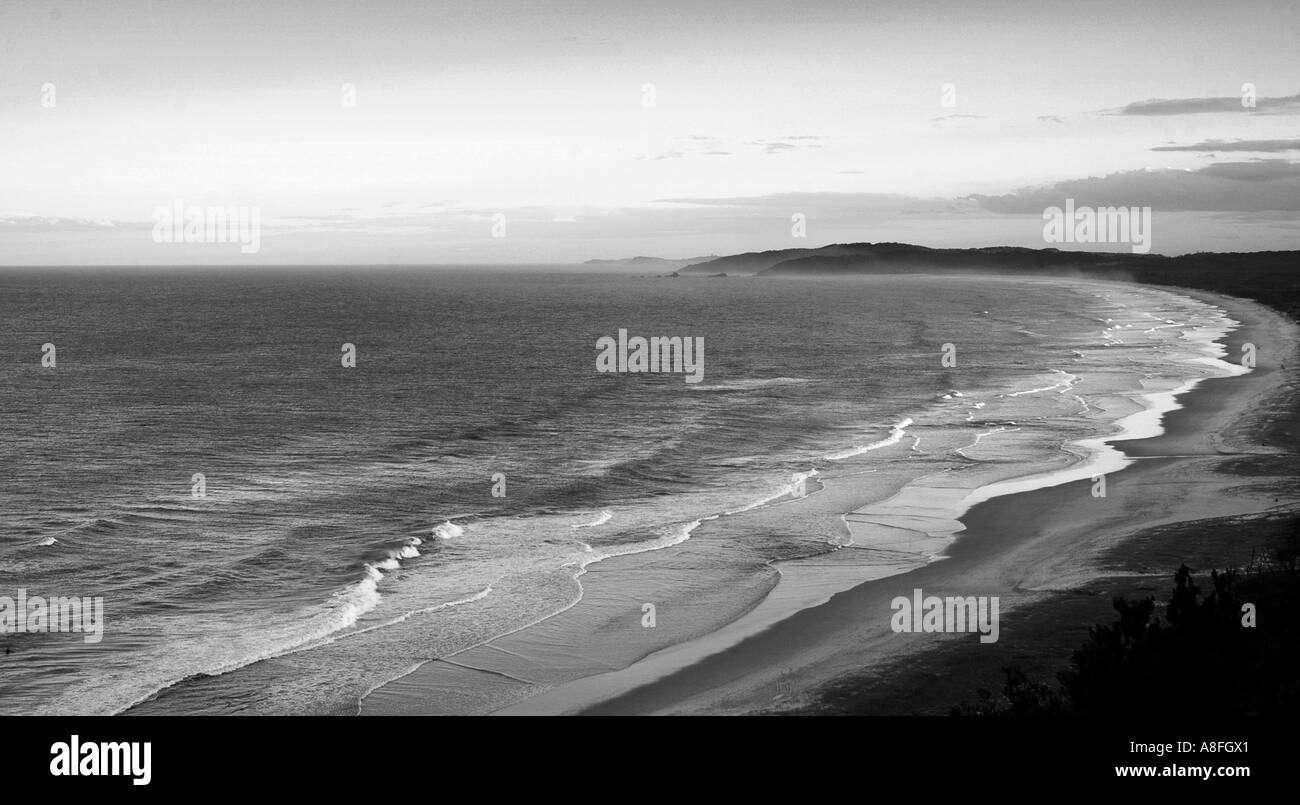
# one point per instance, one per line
(692, 145)
(1264, 170)
(955, 116)
(1050, 119)
(698, 145)
(1197, 106)
(1236, 145)
(829, 205)
(784, 144)
(27, 222)
(1272, 184)
(562, 234)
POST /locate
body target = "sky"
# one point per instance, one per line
(500, 132)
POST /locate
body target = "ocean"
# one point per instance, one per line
(457, 483)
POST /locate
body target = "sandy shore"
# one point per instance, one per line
(1019, 547)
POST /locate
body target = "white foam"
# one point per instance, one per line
(447, 530)
(926, 519)
(1061, 387)
(896, 434)
(962, 450)
(601, 519)
(797, 488)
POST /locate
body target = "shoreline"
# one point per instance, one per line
(806, 585)
(849, 636)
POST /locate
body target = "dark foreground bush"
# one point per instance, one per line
(1233, 651)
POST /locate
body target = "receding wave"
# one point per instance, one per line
(797, 488)
(601, 519)
(896, 434)
(1063, 386)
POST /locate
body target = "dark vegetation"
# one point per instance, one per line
(1201, 658)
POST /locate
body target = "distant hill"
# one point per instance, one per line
(1269, 277)
(866, 258)
(658, 263)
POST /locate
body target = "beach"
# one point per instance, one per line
(821, 623)
(352, 534)
(732, 545)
